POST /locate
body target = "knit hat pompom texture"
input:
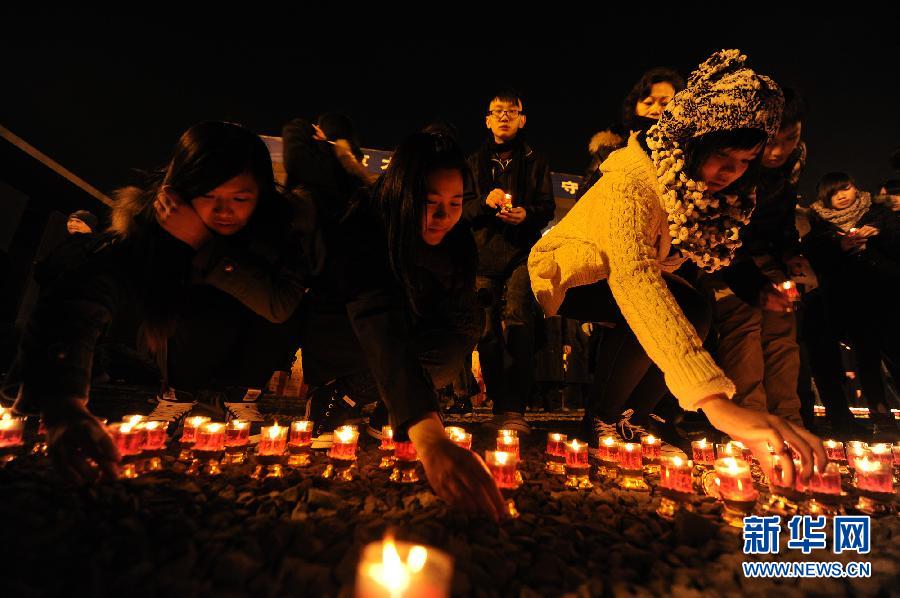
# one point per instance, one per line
(722, 95)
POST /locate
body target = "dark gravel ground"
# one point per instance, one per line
(178, 535)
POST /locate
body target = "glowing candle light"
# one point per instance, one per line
(834, 450)
(509, 444)
(155, 434)
(129, 440)
(210, 438)
(882, 452)
(301, 432)
(874, 476)
(703, 452)
(383, 572)
(826, 482)
(675, 474)
(730, 449)
(133, 419)
(459, 436)
(12, 430)
(237, 433)
(630, 456)
(609, 450)
(387, 438)
(502, 465)
(556, 444)
(344, 445)
(272, 440)
(734, 481)
(650, 448)
(577, 455)
(191, 425)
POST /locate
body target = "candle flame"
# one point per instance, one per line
(273, 432)
(508, 434)
(455, 433)
(629, 447)
(575, 445)
(133, 419)
(390, 573)
(345, 434)
(197, 421)
(213, 428)
(702, 443)
(609, 441)
(301, 425)
(501, 457)
(880, 449)
(6, 414)
(677, 461)
(738, 444)
(238, 424)
(650, 439)
(830, 443)
(126, 428)
(416, 559)
(867, 465)
(731, 462)
(556, 437)
(387, 431)
(152, 425)
(787, 285)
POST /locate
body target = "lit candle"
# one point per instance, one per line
(272, 440)
(827, 482)
(6, 413)
(882, 452)
(895, 449)
(577, 455)
(405, 451)
(734, 481)
(675, 474)
(857, 444)
(459, 436)
(133, 419)
(556, 444)
(12, 429)
(874, 476)
(858, 453)
(650, 448)
(301, 432)
(630, 456)
(128, 440)
(191, 425)
(387, 438)
(210, 437)
(344, 445)
(729, 450)
(790, 291)
(502, 465)
(746, 453)
(155, 434)
(237, 433)
(703, 452)
(509, 444)
(834, 450)
(383, 572)
(609, 449)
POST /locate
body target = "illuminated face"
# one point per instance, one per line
(227, 208)
(652, 106)
(844, 198)
(504, 119)
(779, 149)
(75, 226)
(725, 166)
(443, 205)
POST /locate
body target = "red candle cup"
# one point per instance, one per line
(882, 452)
(834, 450)
(191, 425)
(703, 452)
(155, 434)
(133, 419)
(731, 449)
(734, 481)
(675, 474)
(650, 448)
(128, 439)
(210, 438)
(874, 476)
(12, 430)
(827, 482)
(387, 438)
(459, 437)
(301, 433)
(405, 451)
(237, 433)
(406, 458)
(344, 446)
(577, 455)
(502, 466)
(630, 457)
(858, 453)
(609, 450)
(272, 441)
(556, 445)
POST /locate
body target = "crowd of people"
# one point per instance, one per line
(679, 257)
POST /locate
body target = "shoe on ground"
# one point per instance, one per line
(509, 420)
(245, 411)
(328, 408)
(377, 420)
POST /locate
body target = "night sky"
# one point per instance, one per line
(105, 95)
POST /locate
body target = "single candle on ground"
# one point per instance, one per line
(502, 465)
(344, 445)
(383, 572)
(609, 449)
(191, 425)
(387, 438)
(734, 481)
(155, 434)
(556, 444)
(834, 450)
(12, 430)
(509, 444)
(459, 436)
(210, 437)
(630, 456)
(301, 433)
(237, 433)
(703, 452)
(650, 447)
(675, 474)
(826, 482)
(882, 452)
(272, 440)
(874, 476)
(577, 455)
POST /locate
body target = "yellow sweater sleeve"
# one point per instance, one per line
(626, 231)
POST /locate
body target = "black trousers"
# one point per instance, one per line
(624, 375)
(220, 343)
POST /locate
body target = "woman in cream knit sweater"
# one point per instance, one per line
(680, 192)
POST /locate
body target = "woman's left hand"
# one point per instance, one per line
(179, 219)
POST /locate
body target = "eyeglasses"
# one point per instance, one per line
(510, 113)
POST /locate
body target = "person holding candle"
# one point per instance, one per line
(405, 272)
(680, 192)
(206, 253)
(854, 245)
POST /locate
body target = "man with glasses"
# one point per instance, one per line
(512, 202)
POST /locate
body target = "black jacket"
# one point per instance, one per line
(501, 246)
(772, 230)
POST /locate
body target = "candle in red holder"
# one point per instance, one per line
(508, 444)
(459, 437)
(387, 438)
(12, 429)
(237, 433)
(502, 465)
(128, 440)
(882, 452)
(703, 452)
(577, 454)
(827, 482)
(874, 476)
(344, 446)
(675, 474)
(301, 432)
(405, 451)
(650, 448)
(133, 419)
(790, 291)
(191, 425)
(858, 453)
(730, 449)
(895, 449)
(835, 450)
(272, 441)
(857, 444)
(556, 444)
(609, 449)
(734, 481)
(155, 434)
(630, 456)
(210, 438)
